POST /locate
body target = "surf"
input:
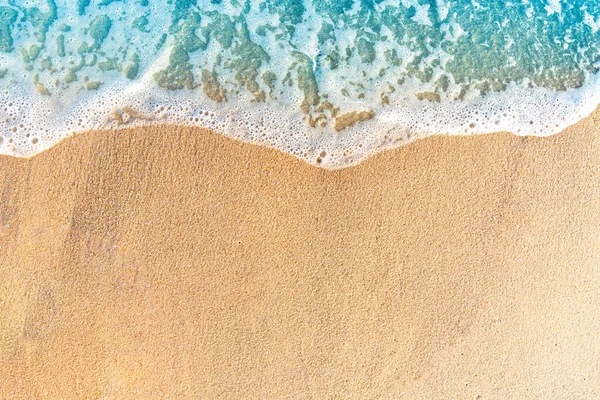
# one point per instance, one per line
(330, 82)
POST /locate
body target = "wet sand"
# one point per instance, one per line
(177, 263)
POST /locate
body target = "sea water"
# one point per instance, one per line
(329, 81)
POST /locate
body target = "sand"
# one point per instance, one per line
(176, 263)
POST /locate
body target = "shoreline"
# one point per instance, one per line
(594, 116)
(347, 152)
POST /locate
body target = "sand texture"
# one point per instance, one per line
(176, 263)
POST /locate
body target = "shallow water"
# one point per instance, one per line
(328, 81)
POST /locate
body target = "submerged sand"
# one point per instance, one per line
(176, 263)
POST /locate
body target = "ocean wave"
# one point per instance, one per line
(330, 82)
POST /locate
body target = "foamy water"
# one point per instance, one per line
(329, 81)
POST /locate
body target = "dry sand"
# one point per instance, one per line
(176, 263)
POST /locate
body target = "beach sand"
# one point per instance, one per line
(177, 263)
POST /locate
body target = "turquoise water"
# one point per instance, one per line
(328, 81)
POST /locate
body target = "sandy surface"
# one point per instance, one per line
(176, 263)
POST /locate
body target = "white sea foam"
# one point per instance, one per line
(523, 111)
